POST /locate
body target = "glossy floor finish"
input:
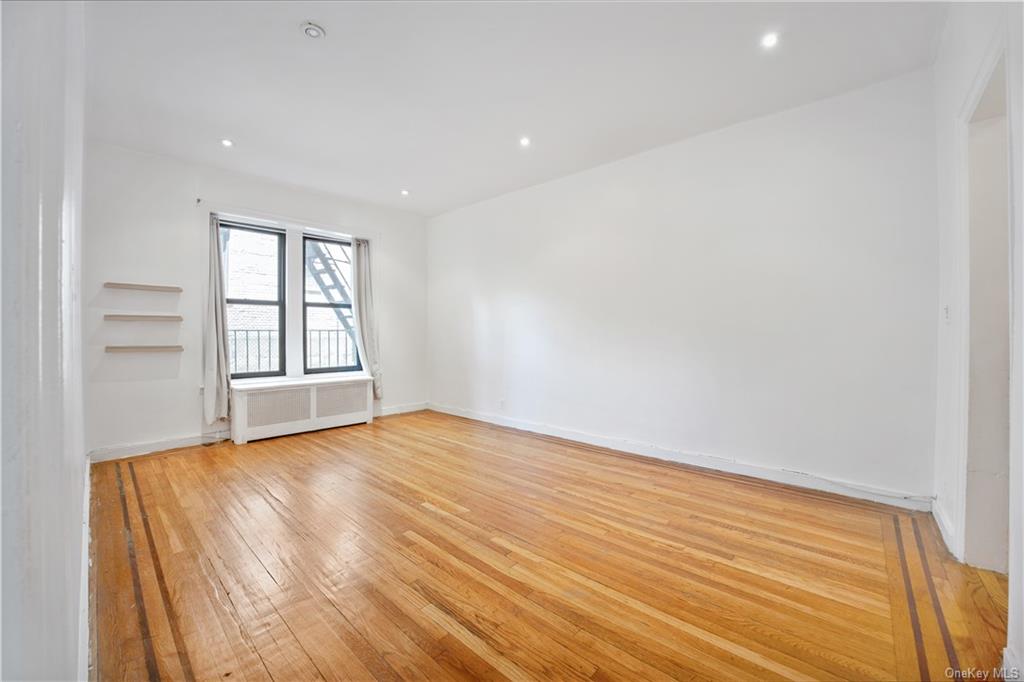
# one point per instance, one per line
(426, 546)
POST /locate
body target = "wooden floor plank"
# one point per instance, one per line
(431, 547)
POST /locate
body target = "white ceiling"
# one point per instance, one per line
(433, 97)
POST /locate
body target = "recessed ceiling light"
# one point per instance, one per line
(524, 141)
(313, 30)
(226, 142)
(405, 192)
(769, 40)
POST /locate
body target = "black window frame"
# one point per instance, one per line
(306, 305)
(282, 331)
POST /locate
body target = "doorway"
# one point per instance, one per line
(988, 416)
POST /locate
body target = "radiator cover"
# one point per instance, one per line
(263, 409)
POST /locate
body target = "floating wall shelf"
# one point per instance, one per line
(144, 349)
(141, 318)
(141, 287)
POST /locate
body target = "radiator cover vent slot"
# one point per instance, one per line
(278, 407)
(340, 399)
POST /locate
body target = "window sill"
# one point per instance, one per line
(263, 383)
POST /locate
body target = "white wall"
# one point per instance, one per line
(1014, 654)
(44, 464)
(975, 38)
(988, 439)
(142, 224)
(764, 294)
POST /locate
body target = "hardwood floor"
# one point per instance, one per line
(426, 546)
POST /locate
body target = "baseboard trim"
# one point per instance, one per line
(796, 478)
(399, 409)
(704, 461)
(1012, 663)
(107, 454)
(948, 531)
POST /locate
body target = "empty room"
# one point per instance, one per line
(537, 340)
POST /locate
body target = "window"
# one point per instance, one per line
(327, 322)
(267, 264)
(254, 280)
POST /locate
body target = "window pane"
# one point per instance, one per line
(328, 272)
(253, 338)
(330, 338)
(250, 264)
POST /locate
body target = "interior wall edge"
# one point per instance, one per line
(977, 35)
(952, 498)
(84, 634)
(43, 452)
(903, 499)
(949, 530)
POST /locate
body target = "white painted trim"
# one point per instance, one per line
(271, 383)
(800, 479)
(705, 461)
(1013, 666)
(105, 454)
(83, 589)
(112, 452)
(946, 527)
(399, 409)
(961, 349)
(961, 340)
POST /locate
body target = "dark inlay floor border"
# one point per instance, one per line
(140, 604)
(947, 638)
(908, 586)
(165, 596)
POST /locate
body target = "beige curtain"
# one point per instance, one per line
(367, 317)
(216, 373)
